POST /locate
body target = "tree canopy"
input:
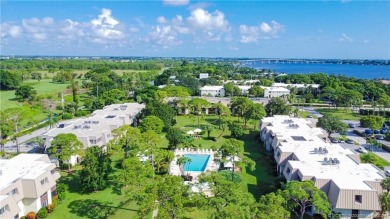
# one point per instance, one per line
(331, 124)
(64, 146)
(277, 106)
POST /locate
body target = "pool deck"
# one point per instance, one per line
(174, 169)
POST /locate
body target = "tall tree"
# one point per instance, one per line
(150, 139)
(277, 106)
(223, 112)
(128, 138)
(372, 122)
(228, 200)
(64, 146)
(175, 137)
(152, 123)
(272, 205)
(241, 107)
(9, 81)
(256, 91)
(75, 88)
(198, 104)
(25, 92)
(229, 89)
(331, 124)
(233, 149)
(96, 167)
(256, 113)
(302, 195)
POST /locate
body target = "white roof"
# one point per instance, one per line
(295, 85)
(100, 120)
(275, 89)
(311, 164)
(216, 88)
(26, 166)
(244, 87)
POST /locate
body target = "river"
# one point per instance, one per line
(351, 70)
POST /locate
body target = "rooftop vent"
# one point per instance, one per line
(320, 150)
(61, 126)
(298, 138)
(95, 122)
(110, 116)
(86, 127)
(330, 161)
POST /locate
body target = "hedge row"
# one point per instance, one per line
(371, 112)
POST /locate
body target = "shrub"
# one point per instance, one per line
(50, 208)
(42, 213)
(67, 116)
(54, 200)
(31, 215)
(23, 217)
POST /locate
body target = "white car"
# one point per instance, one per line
(362, 150)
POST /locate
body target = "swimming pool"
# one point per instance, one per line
(198, 162)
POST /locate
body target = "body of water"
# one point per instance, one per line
(351, 70)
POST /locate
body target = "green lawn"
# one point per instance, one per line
(340, 113)
(108, 202)
(258, 182)
(43, 87)
(93, 205)
(377, 161)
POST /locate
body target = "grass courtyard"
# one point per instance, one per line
(109, 204)
(340, 113)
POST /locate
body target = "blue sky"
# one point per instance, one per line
(279, 29)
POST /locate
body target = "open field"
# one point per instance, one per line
(82, 72)
(44, 87)
(340, 113)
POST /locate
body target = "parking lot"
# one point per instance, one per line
(351, 135)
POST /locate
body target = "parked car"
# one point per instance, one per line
(387, 173)
(341, 141)
(377, 131)
(362, 150)
(384, 130)
(379, 137)
(368, 131)
(333, 140)
(309, 116)
(351, 125)
(349, 141)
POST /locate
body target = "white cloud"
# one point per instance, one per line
(161, 20)
(366, 41)
(38, 29)
(176, 2)
(345, 38)
(106, 27)
(8, 30)
(203, 19)
(265, 27)
(251, 34)
(164, 36)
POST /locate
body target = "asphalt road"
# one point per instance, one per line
(10, 146)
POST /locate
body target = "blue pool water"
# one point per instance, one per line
(198, 162)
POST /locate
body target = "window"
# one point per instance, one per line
(288, 171)
(3, 209)
(278, 154)
(358, 199)
(14, 191)
(45, 180)
(45, 203)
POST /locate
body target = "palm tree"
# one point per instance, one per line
(181, 161)
(386, 184)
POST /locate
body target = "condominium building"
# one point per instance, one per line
(27, 183)
(270, 92)
(96, 129)
(296, 85)
(303, 152)
(203, 75)
(219, 91)
(214, 91)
